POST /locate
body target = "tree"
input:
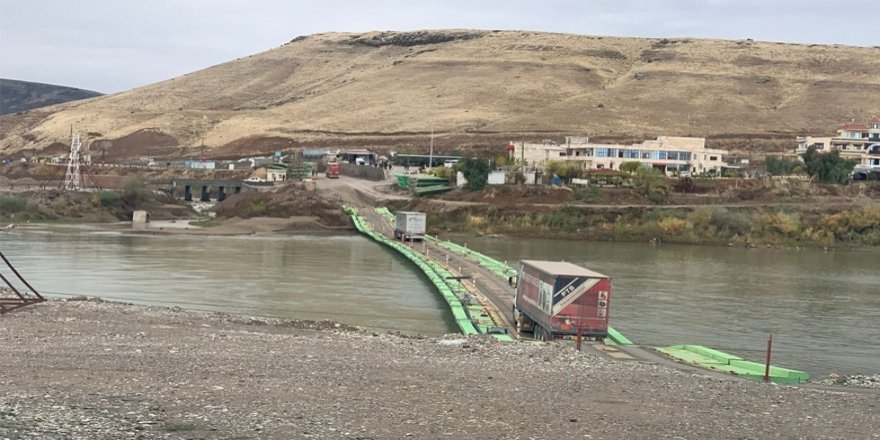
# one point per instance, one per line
(651, 183)
(565, 169)
(476, 171)
(780, 166)
(827, 167)
(134, 193)
(630, 167)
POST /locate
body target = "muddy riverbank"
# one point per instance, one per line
(108, 371)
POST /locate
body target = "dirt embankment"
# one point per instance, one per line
(287, 202)
(698, 192)
(110, 371)
(747, 213)
(95, 207)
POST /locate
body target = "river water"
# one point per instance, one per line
(823, 308)
(346, 278)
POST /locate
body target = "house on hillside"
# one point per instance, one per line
(268, 174)
(200, 164)
(669, 154)
(856, 141)
(358, 156)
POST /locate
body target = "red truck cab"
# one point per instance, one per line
(333, 170)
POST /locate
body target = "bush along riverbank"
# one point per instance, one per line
(778, 226)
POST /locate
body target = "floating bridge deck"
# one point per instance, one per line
(480, 307)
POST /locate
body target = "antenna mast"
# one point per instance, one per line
(72, 181)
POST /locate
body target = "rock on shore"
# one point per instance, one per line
(96, 370)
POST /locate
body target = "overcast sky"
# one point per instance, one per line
(111, 46)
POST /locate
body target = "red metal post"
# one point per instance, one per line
(577, 339)
(767, 365)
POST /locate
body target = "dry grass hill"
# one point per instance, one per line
(477, 89)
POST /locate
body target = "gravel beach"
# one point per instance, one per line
(97, 370)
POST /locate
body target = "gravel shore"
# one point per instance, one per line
(95, 370)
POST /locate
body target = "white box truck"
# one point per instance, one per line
(409, 226)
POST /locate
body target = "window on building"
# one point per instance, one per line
(599, 166)
(684, 155)
(588, 152)
(655, 155)
(672, 155)
(612, 152)
(713, 157)
(562, 153)
(601, 152)
(662, 155)
(632, 154)
(646, 154)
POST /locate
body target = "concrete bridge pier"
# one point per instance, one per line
(224, 188)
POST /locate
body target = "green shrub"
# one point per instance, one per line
(109, 198)
(256, 209)
(476, 171)
(12, 204)
(651, 183)
(134, 192)
(733, 222)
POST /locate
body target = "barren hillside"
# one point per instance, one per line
(476, 89)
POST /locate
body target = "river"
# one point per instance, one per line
(346, 278)
(823, 308)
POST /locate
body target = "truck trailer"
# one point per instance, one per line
(559, 300)
(409, 226)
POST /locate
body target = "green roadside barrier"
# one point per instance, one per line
(447, 287)
(617, 338)
(712, 359)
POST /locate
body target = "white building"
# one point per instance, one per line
(860, 142)
(667, 153)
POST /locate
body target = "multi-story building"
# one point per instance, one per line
(860, 142)
(667, 153)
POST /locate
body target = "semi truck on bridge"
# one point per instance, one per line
(409, 226)
(557, 300)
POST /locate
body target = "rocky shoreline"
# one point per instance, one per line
(97, 370)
